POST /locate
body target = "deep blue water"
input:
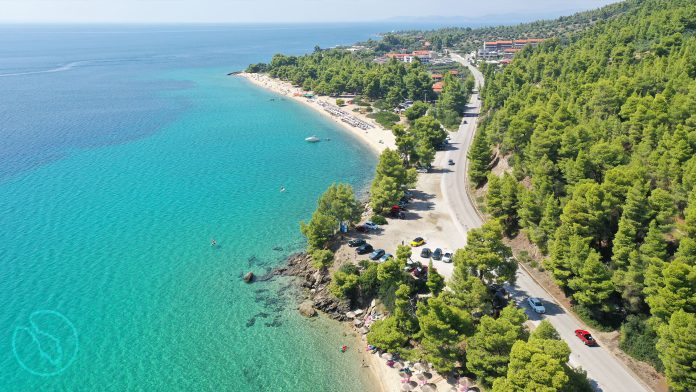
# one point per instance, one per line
(123, 151)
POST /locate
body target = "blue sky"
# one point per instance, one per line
(244, 11)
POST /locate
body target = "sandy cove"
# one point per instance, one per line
(376, 137)
(428, 215)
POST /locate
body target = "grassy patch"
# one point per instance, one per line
(384, 118)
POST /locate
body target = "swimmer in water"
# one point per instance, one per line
(213, 242)
(282, 188)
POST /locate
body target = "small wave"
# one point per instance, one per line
(67, 67)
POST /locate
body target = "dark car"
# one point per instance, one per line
(356, 242)
(437, 254)
(425, 253)
(377, 254)
(364, 249)
(450, 162)
(586, 337)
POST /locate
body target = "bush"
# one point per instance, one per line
(322, 258)
(344, 285)
(340, 102)
(638, 340)
(385, 118)
(379, 219)
(597, 320)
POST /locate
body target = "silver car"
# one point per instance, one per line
(536, 305)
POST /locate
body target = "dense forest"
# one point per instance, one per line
(466, 39)
(600, 132)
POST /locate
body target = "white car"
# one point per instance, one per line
(536, 305)
(371, 225)
(447, 257)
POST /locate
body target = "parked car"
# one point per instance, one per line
(356, 242)
(404, 200)
(422, 170)
(536, 305)
(447, 257)
(586, 337)
(371, 225)
(411, 265)
(408, 194)
(364, 249)
(426, 253)
(398, 214)
(376, 255)
(361, 229)
(386, 257)
(450, 162)
(437, 254)
(418, 241)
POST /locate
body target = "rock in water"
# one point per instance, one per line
(307, 310)
(249, 277)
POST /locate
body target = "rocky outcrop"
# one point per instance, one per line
(249, 277)
(317, 284)
(307, 309)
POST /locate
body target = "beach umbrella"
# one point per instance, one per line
(429, 388)
(423, 367)
(413, 383)
(404, 374)
(387, 356)
(398, 365)
(407, 387)
(427, 375)
(464, 381)
(421, 376)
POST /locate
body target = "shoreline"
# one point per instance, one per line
(377, 138)
(431, 209)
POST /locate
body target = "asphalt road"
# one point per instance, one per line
(604, 370)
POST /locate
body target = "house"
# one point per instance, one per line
(437, 87)
(423, 55)
(437, 76)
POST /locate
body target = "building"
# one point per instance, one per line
(496, 50)
(425, 56)
(438, 86)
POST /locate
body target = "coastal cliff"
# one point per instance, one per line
(316, 282)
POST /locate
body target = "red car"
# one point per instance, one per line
(586, 337)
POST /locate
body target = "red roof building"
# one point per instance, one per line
(437, 87)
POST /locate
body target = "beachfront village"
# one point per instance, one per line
(533, 232)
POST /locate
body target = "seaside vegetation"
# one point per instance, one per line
(599, 130)
(336, 205)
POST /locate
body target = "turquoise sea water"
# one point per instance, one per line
(123, 153)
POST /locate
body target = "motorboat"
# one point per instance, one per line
(312, 139)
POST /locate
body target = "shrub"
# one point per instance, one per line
(322, 258)
(340, 102)
(385, 118)
(379, 219)
(638, 340)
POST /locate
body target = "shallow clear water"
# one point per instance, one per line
(117, 168)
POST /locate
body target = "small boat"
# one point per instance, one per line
(312, 139)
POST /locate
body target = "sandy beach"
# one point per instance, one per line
(428, 215)
(377, 138)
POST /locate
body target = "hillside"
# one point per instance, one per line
(465, 39)
(600, 131)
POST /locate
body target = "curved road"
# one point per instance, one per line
(604, 370)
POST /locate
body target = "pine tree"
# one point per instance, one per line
(403, 313)
(480, 156)
(494, 202)
(677, 348)
(593, 285)
(677, 292)
(435, 281)
(488, 350)
(443, 329)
